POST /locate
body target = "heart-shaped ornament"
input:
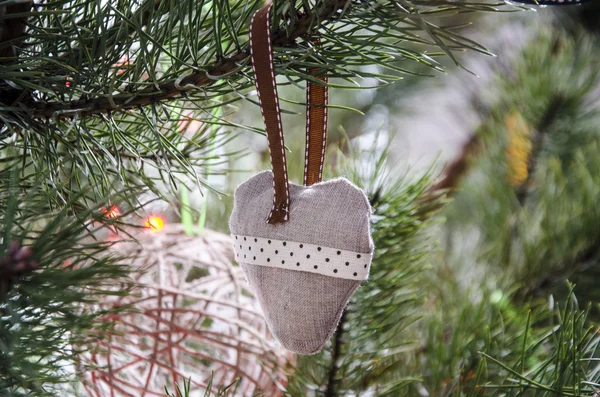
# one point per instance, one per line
(305, 270)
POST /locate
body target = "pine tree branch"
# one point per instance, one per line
(12, 34)
(455, 171)
(168, 90)
(173, 89)
(335, 356)
(115, 34)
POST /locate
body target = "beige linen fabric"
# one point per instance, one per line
(303, 309)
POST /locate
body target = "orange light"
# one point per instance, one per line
(155, 223)
(112, 211)
(122, 65)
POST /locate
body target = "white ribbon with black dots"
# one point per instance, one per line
(304, 257)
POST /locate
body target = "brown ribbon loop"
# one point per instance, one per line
(261, 52)
(316, 130)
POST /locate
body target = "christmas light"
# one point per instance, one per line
(122, 65)
(155, 223)
(112, 211)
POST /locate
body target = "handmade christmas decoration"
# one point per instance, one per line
(191, 318)
(304, 249)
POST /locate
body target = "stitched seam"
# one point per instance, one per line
(278, 112)
(308, 85)
(324, 129)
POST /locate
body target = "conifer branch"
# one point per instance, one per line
(115, 34)
(177, 89)
(168, 90)
(335, 356)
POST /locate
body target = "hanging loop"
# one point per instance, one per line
(261, 52)
(316, 129)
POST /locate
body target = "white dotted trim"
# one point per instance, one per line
(310, 258)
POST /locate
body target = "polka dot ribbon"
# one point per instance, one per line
(303, 257)
(261, 52)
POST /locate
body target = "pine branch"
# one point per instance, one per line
(115, 34)
(49, 285)
(335, 356)
(558, 357)
(371, 36)
(173, 89)
(458, 168)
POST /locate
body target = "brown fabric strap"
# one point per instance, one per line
(262, 63)
(316, 129)
(261, 52)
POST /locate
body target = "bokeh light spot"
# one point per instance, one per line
(155, 223)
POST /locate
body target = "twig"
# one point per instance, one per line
(335, 356)
(458, 168)
(430, 200)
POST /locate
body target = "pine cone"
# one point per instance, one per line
(15, 263)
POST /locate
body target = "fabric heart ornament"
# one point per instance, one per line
(304, 249)
(305, 270)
